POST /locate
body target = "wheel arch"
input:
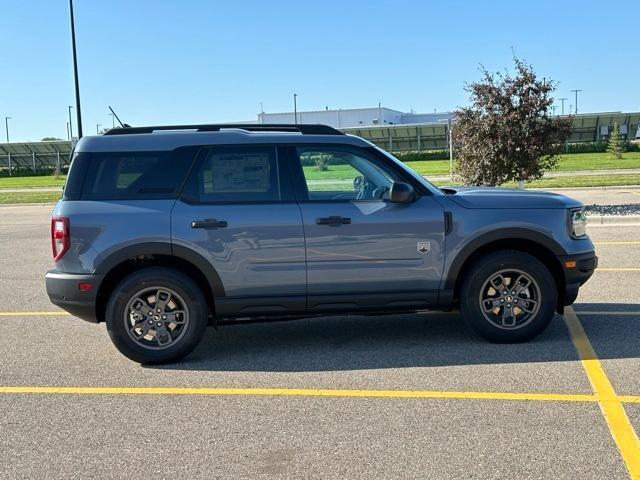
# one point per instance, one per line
(534, 243)
(129, 259)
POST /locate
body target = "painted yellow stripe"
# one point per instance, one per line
(33, 314)
(610, 404)
(594, 312)
(616, 242)
(298, 392)
(620, 269)
(629, 398)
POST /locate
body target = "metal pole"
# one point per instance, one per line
(70, 124)
(97, 129)
(295, 108)
(10, 167)
(6, 126)
(58, 166)
(113, 120)
(68, 136)
(576, 103)
(33, 160)
(418, 133)
(562, 101)
(450, 151)
(75, 69)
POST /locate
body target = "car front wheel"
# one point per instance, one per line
(508, 296)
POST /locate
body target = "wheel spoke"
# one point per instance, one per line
(490, 307)
(508, 318)
(175, 316)
(499, 286)
(145, 329)
(527, 308)
(163, 297)
(163, 336)
(141, 306)
(519, 288)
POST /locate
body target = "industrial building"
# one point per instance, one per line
(354, 117)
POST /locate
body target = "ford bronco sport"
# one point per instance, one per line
(162, 231)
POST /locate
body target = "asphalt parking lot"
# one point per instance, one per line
(400, 396)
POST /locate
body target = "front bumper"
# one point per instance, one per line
(585, 265)
(64, 291)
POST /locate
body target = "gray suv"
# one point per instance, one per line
(162, 231)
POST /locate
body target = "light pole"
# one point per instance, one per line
(449, 131)
(6, 126)
(562, 100)
(576, 103)
(553, 109)
(98, 129)
(68, 134)
(113, 120)
(70, 124)
(75, 69)
(295, 108)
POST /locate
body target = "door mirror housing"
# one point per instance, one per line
(401, 193)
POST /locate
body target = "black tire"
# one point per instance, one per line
(509, 264)
(120, 310)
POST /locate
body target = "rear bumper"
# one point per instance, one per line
(63, 290)
(586, 263)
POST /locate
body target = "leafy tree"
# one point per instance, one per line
(322, 162)
(506, 133)
(50, 139)
(616, 142)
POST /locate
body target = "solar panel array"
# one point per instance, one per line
(587, 128)
(35, 156)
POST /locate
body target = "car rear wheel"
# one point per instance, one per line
(508, 296)
(156, 315)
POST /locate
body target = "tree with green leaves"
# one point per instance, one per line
(507, 134)
(616, 142)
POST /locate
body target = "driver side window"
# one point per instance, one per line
(340, 174)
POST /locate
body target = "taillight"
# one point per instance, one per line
(60, 238)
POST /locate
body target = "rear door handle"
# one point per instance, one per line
(333, 221)
(208, 224)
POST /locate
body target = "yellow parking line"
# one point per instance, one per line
(610, 404)
(594, 312)
(618, 269)
(31, 314)
(299, 392)
(616, 242)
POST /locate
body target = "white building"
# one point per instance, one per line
(353, 117)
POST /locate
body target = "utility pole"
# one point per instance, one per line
(75, 69)
(562, 100)
(6, 126)
(98, 128)
(576, 103)
(295, 108)
(70, 124)
(68, 134)
(553, 109)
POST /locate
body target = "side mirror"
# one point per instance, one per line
(401, 193)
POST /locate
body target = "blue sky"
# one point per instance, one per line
(212, 61)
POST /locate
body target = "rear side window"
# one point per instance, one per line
(136, 175)
(235, 175)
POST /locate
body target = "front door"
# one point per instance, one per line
(238, 213)
(362, 249)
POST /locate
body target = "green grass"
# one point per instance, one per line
(29, 197)
(571, 182)
(28, 182)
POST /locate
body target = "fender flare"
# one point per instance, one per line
(146, 249)
(514, 234)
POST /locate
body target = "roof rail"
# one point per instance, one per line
(305, 129)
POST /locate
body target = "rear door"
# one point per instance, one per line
(238, 212)
(363, 250)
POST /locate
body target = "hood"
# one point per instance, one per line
(494, 197)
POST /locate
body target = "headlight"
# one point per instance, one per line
(578, 223)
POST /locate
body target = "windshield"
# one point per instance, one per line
(431, 187)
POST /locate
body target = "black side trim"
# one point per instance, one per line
(448, 223)
(514, 234)
(387, 301)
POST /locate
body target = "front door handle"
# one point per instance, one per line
(208, 224)
(333, 221)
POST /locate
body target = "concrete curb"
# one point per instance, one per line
(593, 220)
